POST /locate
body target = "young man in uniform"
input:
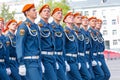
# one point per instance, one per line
(4, 57)
(10, 29)
(28, 45)
(98, 72)
(71, 48)
(47, 44)
(81, 46)
(59, 42)
(101, 48)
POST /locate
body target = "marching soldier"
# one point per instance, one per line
(71, 48)
(47, 44)
(11, 27)
(101, 48)
(59, 42)
(4, 57)
(81, 47)
(28, 45)
(98, 72)
(88, 44)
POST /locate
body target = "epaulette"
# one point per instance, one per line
(27, 23)
(67, 31)
(40, 24)
(53, 26)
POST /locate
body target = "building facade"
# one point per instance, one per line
(109, 12)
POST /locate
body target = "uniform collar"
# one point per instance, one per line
(44, 23)
(55, 24)
(28, 20)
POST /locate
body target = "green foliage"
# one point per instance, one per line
(5, 12)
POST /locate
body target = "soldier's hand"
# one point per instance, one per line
(57, 65)
(94, 63)
(8, 71)
(100, 64)
(87, 64)
(22, 70)
(79, 66)
(67, 66)
(43, 68)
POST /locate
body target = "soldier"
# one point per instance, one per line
(59, 42)
(71, 48)
(81, 46)
(28, 45)
(4, 59)
(47, 44)
(100, 49)
(98, 72)
(88, 44)
(11, 27)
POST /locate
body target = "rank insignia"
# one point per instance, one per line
(22, 32)
(7, 43)
(40, 25)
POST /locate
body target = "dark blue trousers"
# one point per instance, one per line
(3, 73)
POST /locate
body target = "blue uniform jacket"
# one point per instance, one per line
(71, 44)
(27, 40)
(94, 40)
(3, 50)
(47, 37)
(101, 46)
(59, 40)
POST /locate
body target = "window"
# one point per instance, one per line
(113, 21)
(94, 13)
(86, 13)
(114, 32)
(105, 32)
(104, 22)
(115, 42)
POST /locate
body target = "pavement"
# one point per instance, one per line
(114, 67)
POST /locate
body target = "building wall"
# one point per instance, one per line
(111, 23)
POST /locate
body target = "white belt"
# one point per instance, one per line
(2, 60)
(31, 57)
(100, 52)
(81, 54)
(71, 55)
(12, 58)
(95, 54)
(87, 52)
(47, 53)
(59, 53)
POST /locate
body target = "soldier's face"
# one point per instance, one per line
(98, 25)
(32, 13)
(58, 15)
(1, 25)
(78, 19)
(13, 26)
(92, 23)
(85, 22)
(69, 19)
(45, 13)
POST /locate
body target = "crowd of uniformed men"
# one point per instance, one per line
(47, 51)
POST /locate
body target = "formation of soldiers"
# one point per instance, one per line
(47, 51)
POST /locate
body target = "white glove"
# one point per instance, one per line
(99, 63)
(67, 66)
(87, 64)
(43, 68)
(57, 65)
(79, 66)
(94, 63)
(8, 71)
(22, 70)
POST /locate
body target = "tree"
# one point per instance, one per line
(5, 13)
